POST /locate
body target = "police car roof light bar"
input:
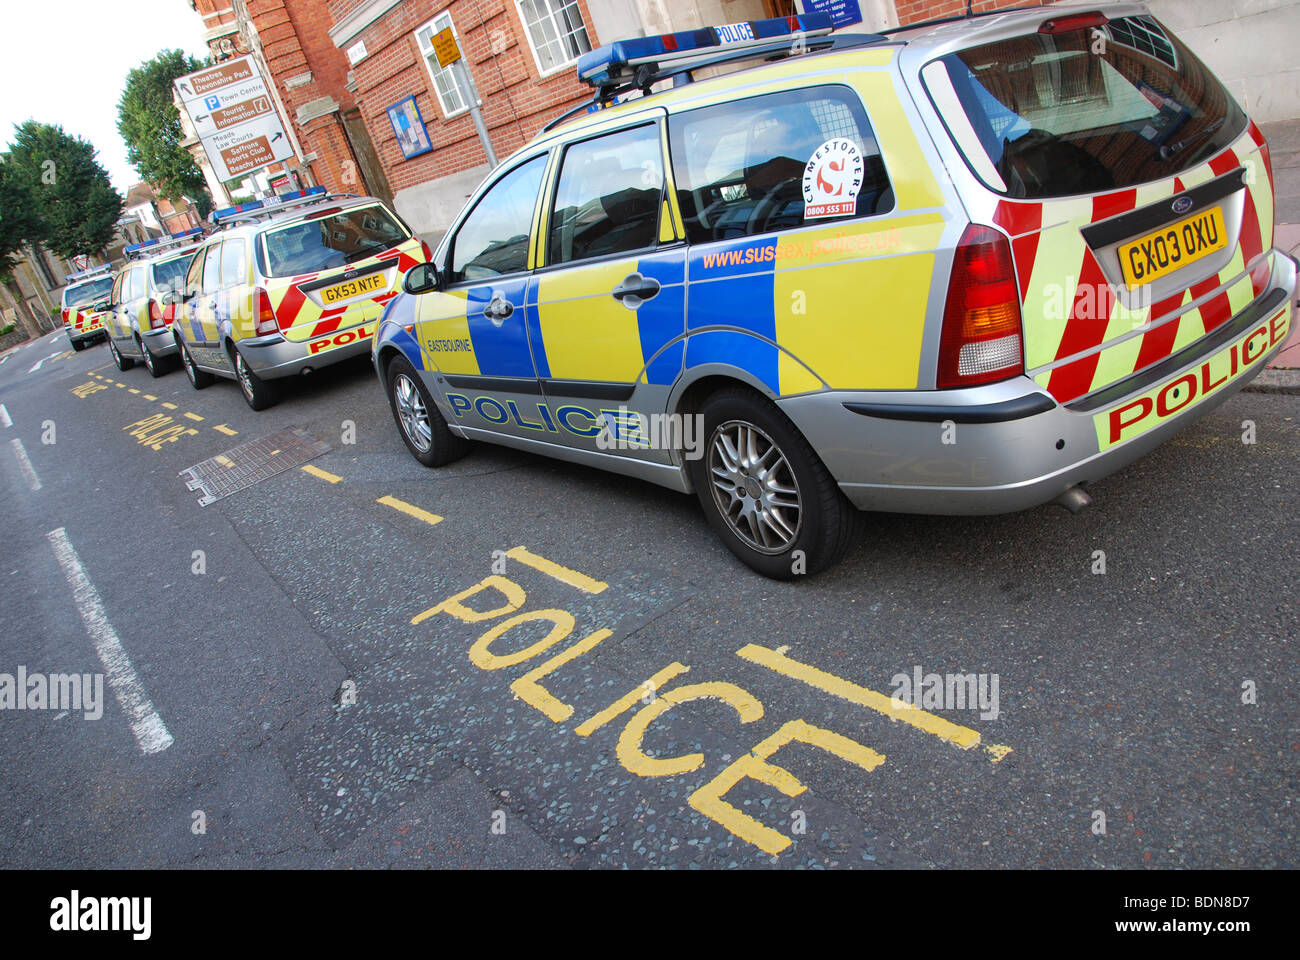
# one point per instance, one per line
(87, 274)
(158, 244)
(228, 214)
(618, 62)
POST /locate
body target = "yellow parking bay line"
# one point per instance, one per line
(169, 406)
(954, 733)
(552, 569)
(318, 472)
(222, 428)
(193, 416)
(132, 390)
(410, 510)
(149, 396)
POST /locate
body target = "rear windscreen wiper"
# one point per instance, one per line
(1167, 152)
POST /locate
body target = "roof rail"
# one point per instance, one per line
(157, 245)
(680, 68)
(970, 15)
(265, 208)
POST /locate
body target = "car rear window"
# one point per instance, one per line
(331, 238)
(170, 274)
(1089, 110)
(84, 294)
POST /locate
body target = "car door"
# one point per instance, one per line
(117, 320)
(607, 311)
(206, 307)
(185, 321)
(472, 330)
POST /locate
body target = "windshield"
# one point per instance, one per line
(1084, 111)
(170, 274)
(334, 239)
(85, 294)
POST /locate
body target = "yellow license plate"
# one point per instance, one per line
(1170, 248)
(353, 288)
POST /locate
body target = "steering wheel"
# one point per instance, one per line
(772, 203)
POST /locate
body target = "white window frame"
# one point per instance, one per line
(537, 61)
(429, 59)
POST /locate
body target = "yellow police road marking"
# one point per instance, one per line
(193, 416)
(318, 472)
(87, 388)
(411, 511)
(222, 428)
(954, 733)
(552, 569)
(641, 694)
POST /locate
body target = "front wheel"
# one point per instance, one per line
(423, 428)
(122, 362)
(766, 493)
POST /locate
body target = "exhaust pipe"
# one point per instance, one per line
(1074, 499)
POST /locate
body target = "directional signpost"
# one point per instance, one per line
(235, 118)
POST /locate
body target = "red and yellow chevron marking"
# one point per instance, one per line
(84, 321)
(299, 317)
(1077, 340)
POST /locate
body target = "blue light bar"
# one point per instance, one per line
(294, 196)
(617, 61)
(160, 241)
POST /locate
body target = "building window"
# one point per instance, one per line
(555, 31)
(452, 94)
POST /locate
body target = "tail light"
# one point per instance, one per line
(155, 315)
(265, 321)
(981, 339)
(1075, 21)
(65, 316)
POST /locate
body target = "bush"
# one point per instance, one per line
(8, 328)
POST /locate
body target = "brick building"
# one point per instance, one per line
(308, 76)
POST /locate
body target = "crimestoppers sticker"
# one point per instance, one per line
(831, 180)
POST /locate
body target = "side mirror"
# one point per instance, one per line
(422, 278)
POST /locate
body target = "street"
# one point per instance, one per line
(287, 685)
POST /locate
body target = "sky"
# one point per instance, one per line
(65, 62)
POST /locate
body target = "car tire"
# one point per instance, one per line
(765, 492)
(77, 345)
(155, 366)
(122, 362)
(258, 393)
(423, 429)
(198, 378)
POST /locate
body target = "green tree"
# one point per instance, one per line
(150, 124)
(18, 223)
(71, 198)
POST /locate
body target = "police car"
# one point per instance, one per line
(963, 268)
(143, 302)
(84, 305)
(289, 287)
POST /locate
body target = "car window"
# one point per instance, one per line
(135, 282)
(608, 198)
(776, 162)
(193, 274)
(116, 296)
(233, 269)
(493, 240)
(170, 274)
(331, 238)
(85, 294)
(212, 269)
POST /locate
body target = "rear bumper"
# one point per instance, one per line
(160, 342)
(1010, 446)
(274, 357)
(99, 332)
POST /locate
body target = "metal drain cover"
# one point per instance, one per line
(249, 463)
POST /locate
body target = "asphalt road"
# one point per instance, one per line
(283, 701)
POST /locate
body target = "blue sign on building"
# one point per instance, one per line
(842, 12)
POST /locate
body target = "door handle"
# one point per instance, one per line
(635, 290)
(498, 309)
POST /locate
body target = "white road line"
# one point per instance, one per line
(37, 365)
(4, 416)
(25, 465)
(149, 729)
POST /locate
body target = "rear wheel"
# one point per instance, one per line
(198, 378)
(77, 345)
(766, 493)
(422, 427)
(259, 393)
(152, 363)
(122, 362)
